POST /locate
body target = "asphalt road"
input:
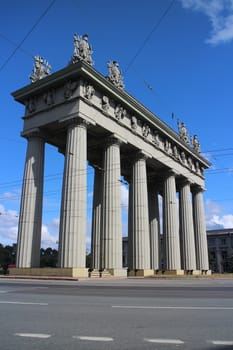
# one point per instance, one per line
(116, 314)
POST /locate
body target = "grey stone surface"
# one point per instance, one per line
(72, 237)
(111, 207)
(154, 223)
(30, 221)
(200, 230)
(186, 228)
(139, 239)
(171, 225)
(96, 238)
(78, 90)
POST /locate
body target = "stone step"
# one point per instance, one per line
(99, 274)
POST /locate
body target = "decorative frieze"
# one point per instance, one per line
(105, 103)
(89, 91)
(31, 105)
(119, 112)
(49, 97)
(145, 130)
(155, 138)
(134, 123)
(69, 89)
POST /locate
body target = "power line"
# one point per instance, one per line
(14, 44)
(149, 35)
(27, 35)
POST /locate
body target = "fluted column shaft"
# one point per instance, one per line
(154, 224)
(72, 238)
(138, 235)
(186, 228)
(111, 207)
(30, 220)
(96, 220)
(171, 225)
(200, 230)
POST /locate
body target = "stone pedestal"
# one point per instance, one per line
(50, 272)
(173, 272)
(141, 273)
(72, 238)
(30, 221)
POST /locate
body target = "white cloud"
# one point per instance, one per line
(8, 225)
(216, 221)
(220, 15)
(216, 217)
(47, 238)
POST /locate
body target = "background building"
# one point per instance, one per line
(220, 247)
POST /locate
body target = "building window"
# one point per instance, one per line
(211, 242)
(223, 241)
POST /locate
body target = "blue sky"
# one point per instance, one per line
(177, 63)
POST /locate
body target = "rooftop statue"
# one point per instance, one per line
(195, 143)
(82, 49)
(41, 69)
(114, 74)
(183, 131)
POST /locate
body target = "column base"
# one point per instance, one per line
(173, 272)
(192, 272)
(73, 272)
(140, 273)
(206, 272)
(118, 272)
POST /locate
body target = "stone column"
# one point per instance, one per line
(138, 231)
(154, 224)
(186, 229)
(96, 220)
(72, 237)
(30, 219)
(111, 210)
(200, 230)
(171, 226)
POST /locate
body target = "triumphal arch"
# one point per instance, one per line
(91, 118)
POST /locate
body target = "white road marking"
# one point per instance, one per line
(164, 341)
(22, 303)
(222, 342)
(93, 338)
(33, 335)
(173, 307)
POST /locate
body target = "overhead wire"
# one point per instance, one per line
(27, 35)
(156, 25)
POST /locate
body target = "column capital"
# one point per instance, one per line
(113, 140)
(198, 188)
(169, 172)
(182, 183)
(35, 132)
(74, 121)
(141, 155)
